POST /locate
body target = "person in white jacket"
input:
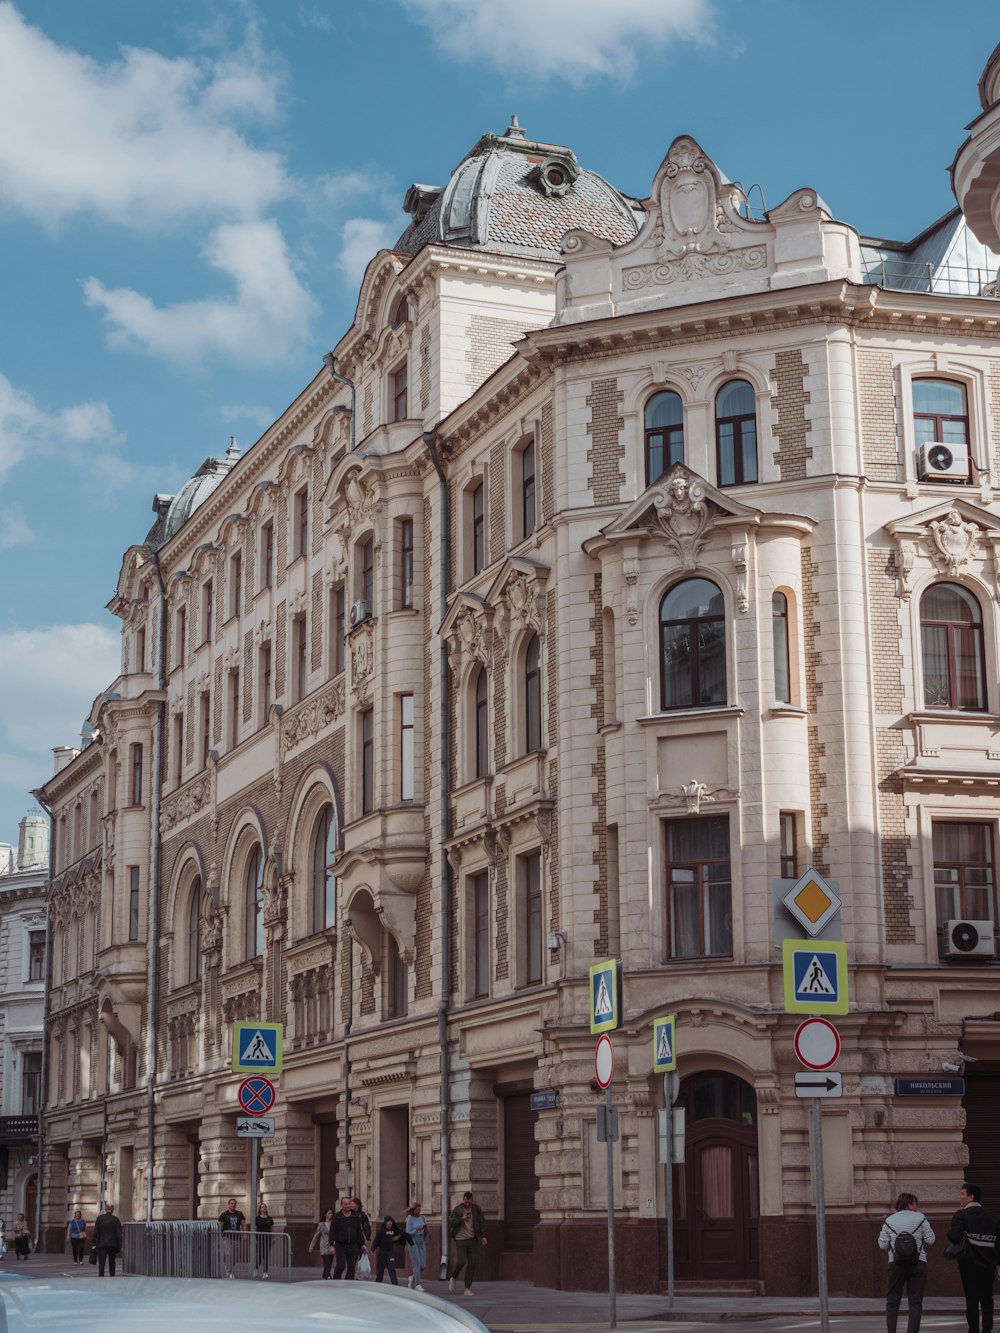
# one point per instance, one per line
(904, 1275)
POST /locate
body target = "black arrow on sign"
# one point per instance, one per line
(828, 1083)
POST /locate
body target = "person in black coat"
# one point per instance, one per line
(107, 1240)
(976, 1230)
(387, 1240)
(348, 1238)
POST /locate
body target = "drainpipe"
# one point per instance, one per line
(156, 792)
(43, 1095)
(430, 439)
(329, 363)
(348, 1182)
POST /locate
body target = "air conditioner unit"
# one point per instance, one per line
(360, 610)
(969, 939)
(944, 462)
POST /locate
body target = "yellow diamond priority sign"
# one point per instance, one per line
(812, 902)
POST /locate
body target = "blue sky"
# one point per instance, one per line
(189, 192)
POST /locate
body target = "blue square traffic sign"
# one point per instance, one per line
(605, 996)
(815, 974)
(257, 1048)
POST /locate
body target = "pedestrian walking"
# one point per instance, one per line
(388, 1239)
(264, 1225)
(366, 1223)
(467, 1228)
(107, 1240)
(417, 1230)
(323, 1242)
(905, 1234)
(973, 1233)
(77, 1232)
(232, 1222)
(348, 1240)
(22, 1237)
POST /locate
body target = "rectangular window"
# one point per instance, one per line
(367, 761)
(299, 663)
(140, 649)
(178, 748)
(406, 563)
(964, 874)
(207, 601)
(204, 725)
(531, 872)
(477, 504)
(481, 933)
(267, 555)
(699, 888)
(366, 579)
(398, 997)
(181, 637)
(236, 584)
(234, 709)
(338, 629)
(301, 513)
(135, 788)
(31, 1082)
(399, 405)
(406, 747)
(133, 903)
(36, 955)
(789, 845)
(528, 516)
(264, 676)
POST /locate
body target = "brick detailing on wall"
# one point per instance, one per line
(490, 344)
(548, 450)
(281, 537)
(886, 632)
(346, 945)
(499, 700)
(367, 418)
(814, 692)
(598, 770)
(791, 398)
(456, 506)
(217, 702)
(501, 906)
(879, 435)
(993, 453)
(316, 622)
(247, 680)
(423, 980)
(367, 1005)
(280, 631)
(894, 841)
(425, 368)
(607, 449)
(496, 523)
(189, 724)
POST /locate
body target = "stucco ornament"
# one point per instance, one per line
(630, 569)
(694, 793)
(362, 662)
(211, 918)
(473, 637)
(523, 601)
(360, 501)
(682, 516)
(953, 541)
(312, 717)
(185, 805)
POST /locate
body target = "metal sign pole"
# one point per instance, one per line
(609, 1114)
(253, 1204)
(824, 1296)
(669, 1172)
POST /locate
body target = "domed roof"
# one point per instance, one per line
(173, 511)
(513, 195)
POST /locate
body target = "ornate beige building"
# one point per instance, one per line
(625, 559)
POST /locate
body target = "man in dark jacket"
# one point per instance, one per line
(467, 1228)
(348, 1239)
(977, 1229)
(107, 1240)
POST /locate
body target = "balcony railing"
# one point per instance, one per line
(18, 1129)
(910, 275)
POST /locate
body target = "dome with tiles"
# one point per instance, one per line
(173, 511)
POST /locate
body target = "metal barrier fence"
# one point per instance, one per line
(200, 1249)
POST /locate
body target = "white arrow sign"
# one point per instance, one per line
(819, 1085)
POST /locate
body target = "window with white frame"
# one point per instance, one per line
(406, 748)
(964, 870)
(36, 955)
(941, 416)
(780, 646)
(404, 535)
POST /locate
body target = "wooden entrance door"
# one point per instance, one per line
(717, 1188)
(520, 1215)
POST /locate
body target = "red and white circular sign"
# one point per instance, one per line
(817, 1043)
(604, 1060)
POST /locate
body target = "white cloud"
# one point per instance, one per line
(142, 139)
(360, 238)
(84, 431)
(256, 413)
(265, 323)
(571, 39)
(14, 529)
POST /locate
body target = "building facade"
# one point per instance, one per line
(625, 560)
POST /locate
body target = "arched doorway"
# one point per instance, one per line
(716, 1190)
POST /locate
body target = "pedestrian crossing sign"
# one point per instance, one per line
(815, 973)
(257, 1048)
(605, 996)
(664, 1044)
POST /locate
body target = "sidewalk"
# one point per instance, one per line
(519, 1307)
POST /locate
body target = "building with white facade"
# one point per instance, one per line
(625, 560)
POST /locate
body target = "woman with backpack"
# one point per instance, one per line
(906, 1233)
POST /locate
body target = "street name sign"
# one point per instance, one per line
(930, 1087)
(546, 1100)
(605, 996)
(664, 1044)
(255, 1127)
(817, 1043)
(819, 1085)
(257, 1048)
(815, 975)
(256, 1095)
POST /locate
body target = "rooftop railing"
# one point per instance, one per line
(910, 275)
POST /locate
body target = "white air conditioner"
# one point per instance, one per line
(360, 610)
(969, 939)
(944, 462)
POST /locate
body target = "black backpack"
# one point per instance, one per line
(905, 1248)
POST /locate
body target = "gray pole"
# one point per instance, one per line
(669, 1172)
(253, 1204)
(608, 1116)
(824, 1297)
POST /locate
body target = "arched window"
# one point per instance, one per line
(533, 695)
(779, 637)
(400, 313)
(194, 933)
(664, 433)
(951, 638)
(324, 881)
(253, 904)
(481, 724)
(693, 646)
(736, 433)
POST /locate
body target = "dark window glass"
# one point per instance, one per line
(140, 649)
(940, 412)
(714, 1096)
(194, 932)
(664, 420)
(951, 637)
(266, 687)
(533, 917)
(699, 902)
(133, 903)
(340, 629)
(481, 911)
(31, 1082)
(367, 761)
(181, 637)
(267, 555)
(236, 584)
(205, 719)
(736, 433)
(299, 644)
(399, 395)
(398, 998)
(400, 314)
(324, 880)
(136, 789)
(253, 905)
(964, 877)
(406, 562)
(178, 747)
(478, 529)
(367, 588)
(693, 646)
(528, 516)
(302, 521)
(533, 696)
(36, 955)
(789, 845)
(234, 708)
(482, 723)
(779, 636)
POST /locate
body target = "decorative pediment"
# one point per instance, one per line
(296, 466)
(232, 531)
(353, 496)
(262, 499)
(955, 537)
(129, 580)
(205, 560)
(518, 592)
(467, 629)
